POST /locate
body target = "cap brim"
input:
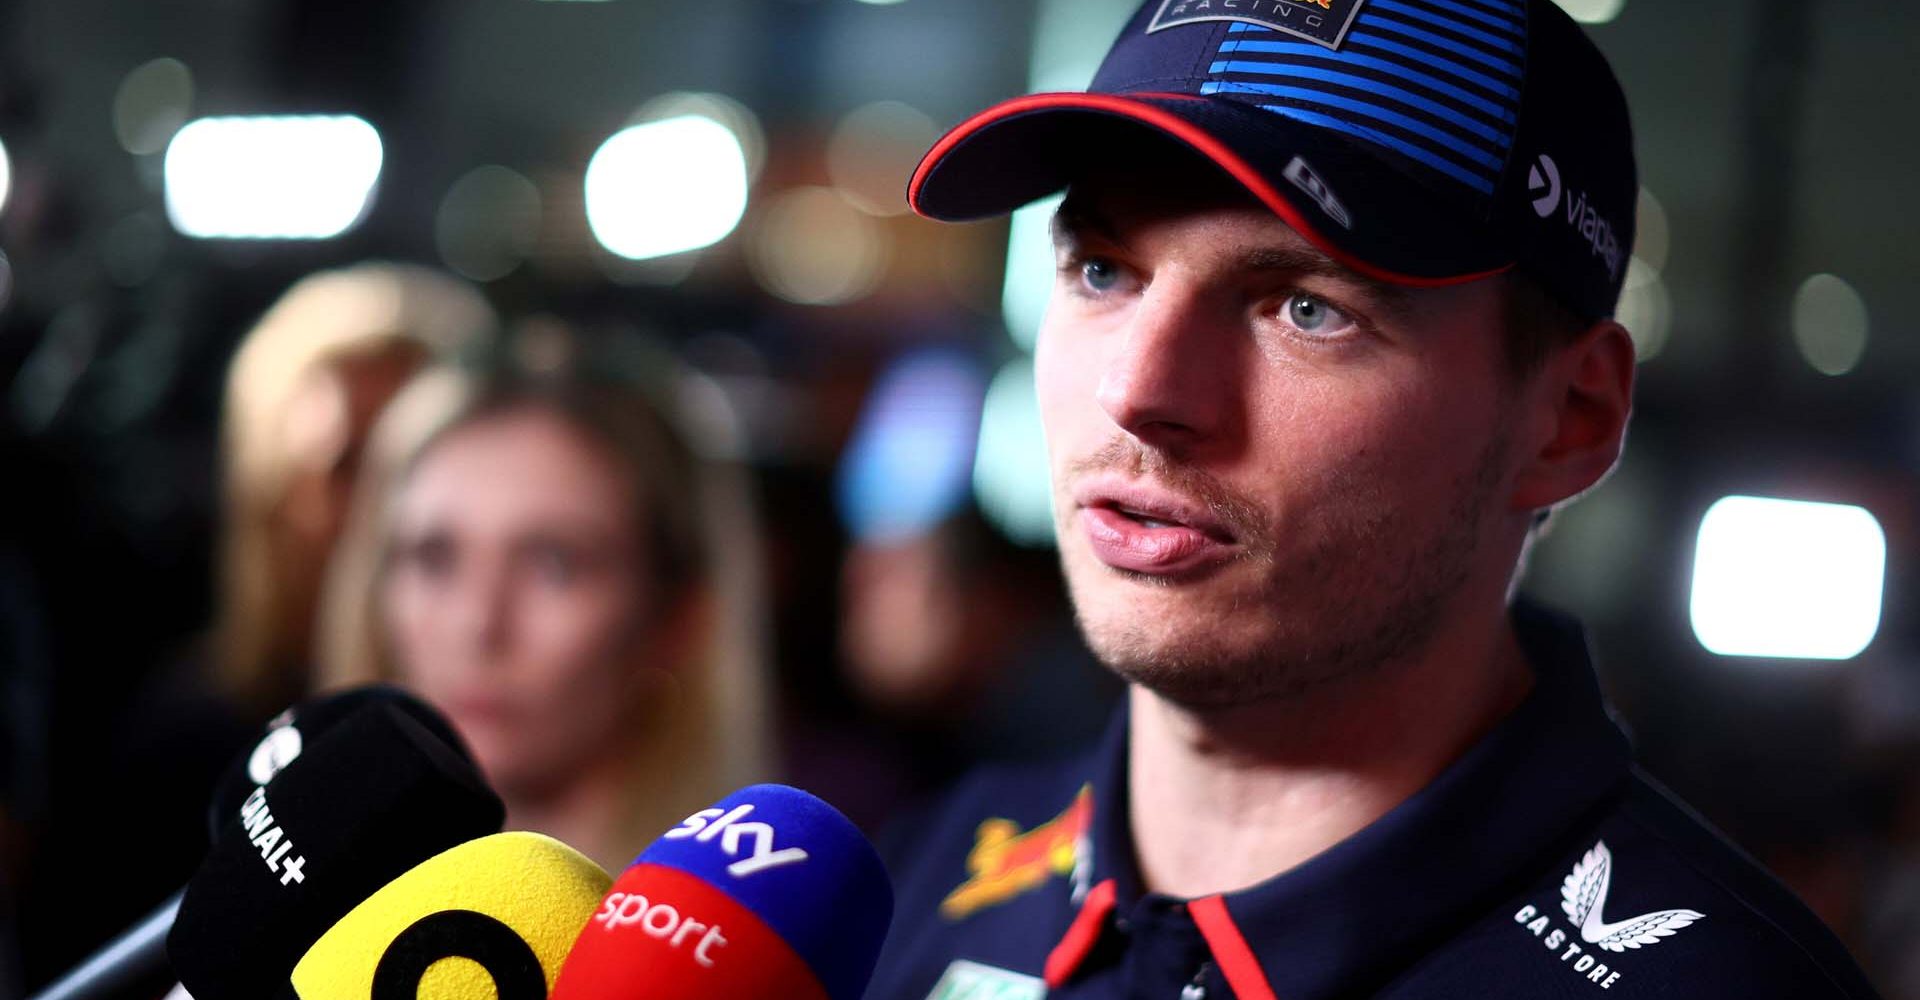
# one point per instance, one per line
(1394, 229)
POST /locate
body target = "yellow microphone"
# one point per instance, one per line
(492, 917)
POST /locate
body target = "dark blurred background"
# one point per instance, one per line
(875, 362)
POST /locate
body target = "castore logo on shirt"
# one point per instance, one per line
(1583, 896)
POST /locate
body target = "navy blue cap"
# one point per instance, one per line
(1420, 142)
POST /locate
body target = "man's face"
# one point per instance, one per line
(1268, 472)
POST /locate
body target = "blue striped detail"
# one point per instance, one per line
(1432, 61)
(1502, 112)
(1515, 11)
(1507, 45)
(1509, 25)
(1486, 59)
(1414, 125)
(1444, 111)
(1479, 183)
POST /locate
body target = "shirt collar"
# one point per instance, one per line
(1409, 877)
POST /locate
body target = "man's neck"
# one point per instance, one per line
(1221, 800)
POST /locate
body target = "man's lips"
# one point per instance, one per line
(1152, 531)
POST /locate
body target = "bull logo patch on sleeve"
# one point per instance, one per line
(1005, 862)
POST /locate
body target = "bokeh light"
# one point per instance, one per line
(1592, 11)
(873, 151)
(6, 176)
(814, 248)
(1645, 309)
(1010, 479)
(666, 187)
(294, 177)
(488, 223)
(153, 101)
(1029, 282)
(1787, 578)
(1829, 324)
(909, 462)
(1651, 237)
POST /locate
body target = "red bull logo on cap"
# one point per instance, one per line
(1324, 22)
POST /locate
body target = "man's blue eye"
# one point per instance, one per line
(1099, 275)
(1308, 313)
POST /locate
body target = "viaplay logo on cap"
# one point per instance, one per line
(1582, 216)
(1543, 182)
(1323, 22)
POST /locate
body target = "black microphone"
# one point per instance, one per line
(138, 956)
(297, 727)
(372, 798)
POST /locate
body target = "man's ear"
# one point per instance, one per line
(1578, 407)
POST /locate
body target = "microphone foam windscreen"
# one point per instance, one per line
(371, 798)
(769, 894)
(492, 917)
(292, 731)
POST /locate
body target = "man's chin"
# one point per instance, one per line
(1188, 658)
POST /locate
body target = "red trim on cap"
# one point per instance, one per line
(1080, 937)
(1194, 136)
(1230, 949)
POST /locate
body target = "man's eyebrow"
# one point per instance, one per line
(1073, 222)
(1308, 260)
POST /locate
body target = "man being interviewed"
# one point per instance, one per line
(1331, 331)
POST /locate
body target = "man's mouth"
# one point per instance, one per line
(1147, 520)
(1150, 531)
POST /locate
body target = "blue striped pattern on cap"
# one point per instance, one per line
(1435, 81)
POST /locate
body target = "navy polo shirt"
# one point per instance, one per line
(1542, 863)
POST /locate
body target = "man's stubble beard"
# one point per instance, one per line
(1341, 611)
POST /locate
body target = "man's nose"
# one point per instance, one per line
(1166, 383)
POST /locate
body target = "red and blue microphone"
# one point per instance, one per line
(771, 893)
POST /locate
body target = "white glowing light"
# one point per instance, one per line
(737, 117)
(1592, 11)
(666, 187)
(294, 177)
(1787, 578)
(1010, 478)
(6, 176)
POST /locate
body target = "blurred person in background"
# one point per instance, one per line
(955, 641)
(302, 396)
(552, 557)
(962, 643)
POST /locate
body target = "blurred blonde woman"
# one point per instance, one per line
(302, 394)
(561, 564)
